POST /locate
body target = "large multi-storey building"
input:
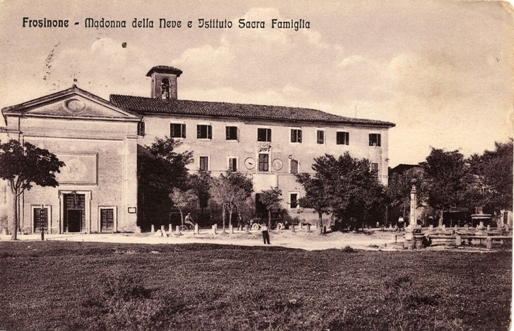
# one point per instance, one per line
(97, 139)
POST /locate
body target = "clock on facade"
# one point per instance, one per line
(249, 163)
(277, 164)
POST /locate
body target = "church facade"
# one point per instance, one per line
(98, 139)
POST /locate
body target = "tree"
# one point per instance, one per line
(200, 185)
(220, 191)
(230, 191)
(160, 169)
(182, 200)
(447, 180)
(315, 196)
(24, 165)
(242, 190)
(350, 187)
(271, 199)
(492, 172)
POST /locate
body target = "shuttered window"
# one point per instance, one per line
(296, 135)
(204, 163)
(203, 131)
(107, 219)
(232, 164)
(320, 137)
(264, 135)
(177, 130)
(343, 138)
(231, 133)
(263, 162)
(294, 166)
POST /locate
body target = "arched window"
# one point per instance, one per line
(165, 88)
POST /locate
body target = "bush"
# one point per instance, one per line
(124, 304)
(348, 249)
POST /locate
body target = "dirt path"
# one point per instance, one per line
(300, 239)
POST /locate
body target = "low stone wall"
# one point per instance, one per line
(419, 238)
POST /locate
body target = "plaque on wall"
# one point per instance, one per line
(79, 169)
(277, 164)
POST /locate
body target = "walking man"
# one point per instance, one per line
(265, 234)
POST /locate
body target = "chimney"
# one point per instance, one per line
(164, 82)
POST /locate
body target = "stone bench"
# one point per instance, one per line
(488, 239)
(457, 239)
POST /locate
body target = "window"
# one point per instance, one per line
(296, 135)
(177, 130)
(204, 163)
(40, 217)
(141, 128)
(293, 200)
(374, 139)
(320, 137)
(343, 138)
(264, 135)
(231, 133)
(203, 131)
(294, 166)
(106, 219)
(263, 162)
(232, 164)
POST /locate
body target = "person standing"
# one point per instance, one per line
(265, 234)
(401, 223)
(240, 222)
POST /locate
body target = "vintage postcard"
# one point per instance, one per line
(183, 126)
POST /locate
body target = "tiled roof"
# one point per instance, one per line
(149, 106)
(165, 69)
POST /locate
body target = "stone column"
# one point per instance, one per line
(413, 205)
(410, 240)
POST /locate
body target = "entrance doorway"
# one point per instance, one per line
(74, 213)
(74, 220)
(260, 208)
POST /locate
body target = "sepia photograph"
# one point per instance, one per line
(257, 165)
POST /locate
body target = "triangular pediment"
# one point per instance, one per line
(71, 103)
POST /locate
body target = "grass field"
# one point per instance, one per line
(105, 286)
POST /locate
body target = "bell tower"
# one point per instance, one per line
(164, 82)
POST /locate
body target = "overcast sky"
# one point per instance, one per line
(441, 70)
